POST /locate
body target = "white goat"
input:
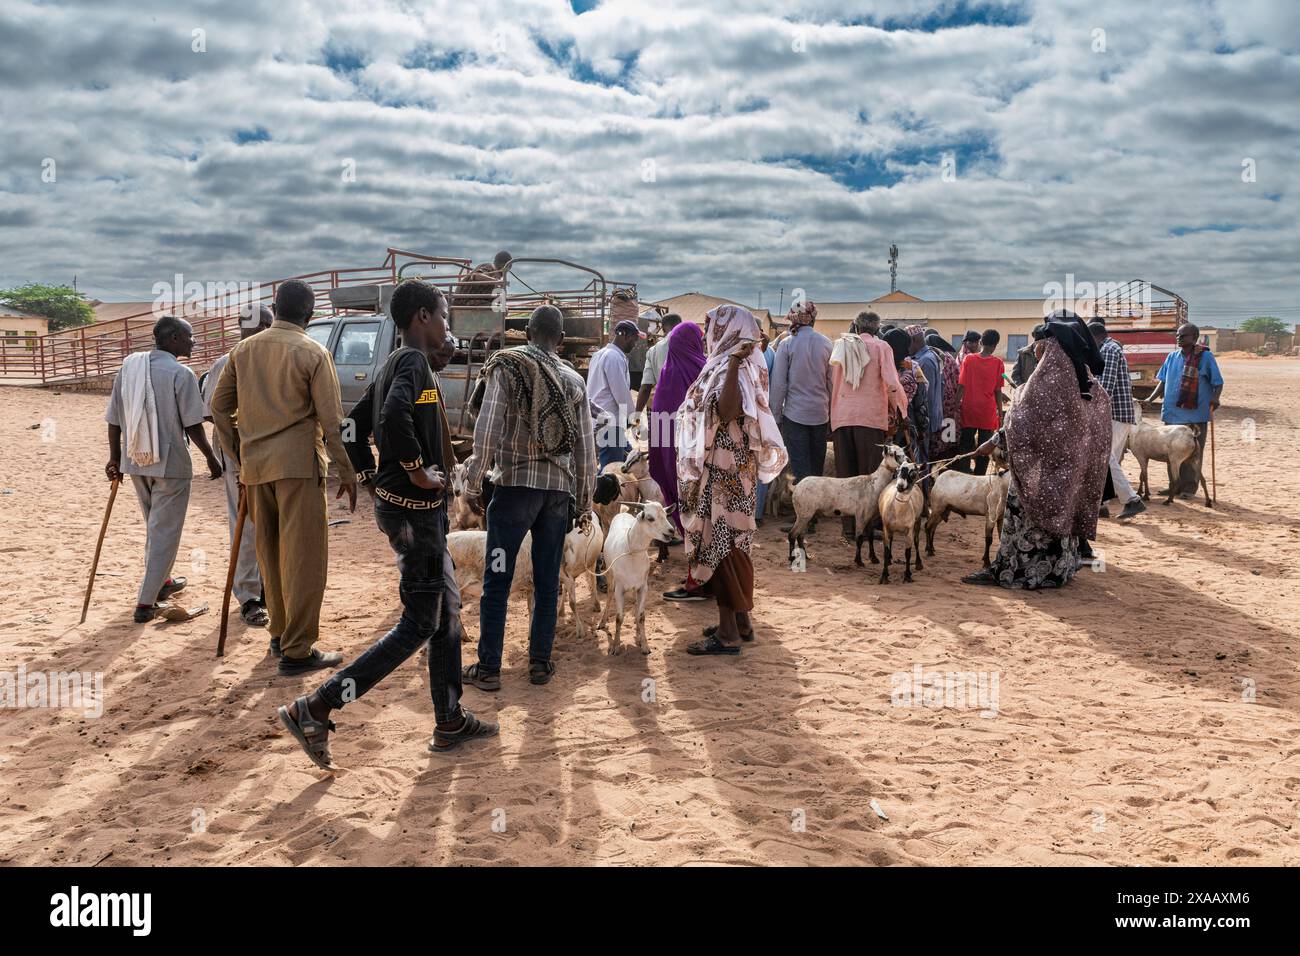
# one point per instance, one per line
(581, 549)
(956, 492)
(857, 496)
(630, 533)
(901, 507)
(1172, 444)
(459, 513)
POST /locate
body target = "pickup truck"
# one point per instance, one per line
(360, 335)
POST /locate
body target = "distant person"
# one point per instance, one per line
(534, 427)
(609, 386)
(154, 407)
(1192, 384)
(248, 579)
(970, 344)
(944, 441)
(932, 367)
(285, 390)
(864, 388)
(801, 392)
(1123, 417)
(981, 404)
(655, 356)
(912, 421)
(1026, 360)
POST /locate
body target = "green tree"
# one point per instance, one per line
(1268, 324)
(62, 304)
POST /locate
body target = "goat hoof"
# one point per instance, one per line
(907, 579)
(929, 552)
(1167, 501)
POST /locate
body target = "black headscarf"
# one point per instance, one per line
(900, 342)
(937, 341)
(1072, 334)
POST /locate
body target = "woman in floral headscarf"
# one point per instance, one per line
(727, 443)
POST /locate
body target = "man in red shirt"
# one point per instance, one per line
(981, 402)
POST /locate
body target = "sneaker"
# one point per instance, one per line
(539, 672)
(683, 595)
(1132, 509)
(476, 675)
(170, 587)
(315, 661)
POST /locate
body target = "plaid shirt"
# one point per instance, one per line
(502, 438)
(1115, 380)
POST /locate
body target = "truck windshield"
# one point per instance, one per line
(320, 332)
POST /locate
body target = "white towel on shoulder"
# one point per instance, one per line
(139, 411)
(850, 353)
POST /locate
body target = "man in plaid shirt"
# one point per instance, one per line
(1123, 419)
(535, 427)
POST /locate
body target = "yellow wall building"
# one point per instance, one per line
(17, 325)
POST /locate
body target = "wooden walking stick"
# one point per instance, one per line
(1214, 476)
(99, 546)
(241, 513)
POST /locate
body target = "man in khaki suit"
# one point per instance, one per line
(286, 392)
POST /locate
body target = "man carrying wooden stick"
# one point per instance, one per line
(286, 391)
(248, 580)
(154, 407)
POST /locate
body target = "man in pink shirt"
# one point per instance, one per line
(860, 411)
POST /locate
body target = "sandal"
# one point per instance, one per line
(254, 614)
(712, 629)
(539, 672)
(711, 645)
(984, 577)
(312, 734)
(471, 729)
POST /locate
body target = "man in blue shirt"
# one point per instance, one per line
(801, 392)
(1189, 399)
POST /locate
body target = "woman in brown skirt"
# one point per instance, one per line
(727, 444)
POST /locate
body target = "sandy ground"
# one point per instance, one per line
(1147, 714)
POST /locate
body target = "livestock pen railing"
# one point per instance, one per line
(96, 351)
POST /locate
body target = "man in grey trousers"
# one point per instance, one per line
(248, 580)
(162, 487)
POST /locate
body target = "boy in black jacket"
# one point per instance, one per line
(403, 409)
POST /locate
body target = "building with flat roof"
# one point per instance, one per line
(21, 325)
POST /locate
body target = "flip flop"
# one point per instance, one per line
(310, 733)
(712, 629)
(709, 646)
(472, 729)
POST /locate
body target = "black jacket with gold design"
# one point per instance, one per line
(402, 408)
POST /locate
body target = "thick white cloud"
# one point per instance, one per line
(790, 142)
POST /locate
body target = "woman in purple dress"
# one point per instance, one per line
(681, 368)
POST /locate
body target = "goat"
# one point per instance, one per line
(1172, 444)
(459, 513)
(581, 549)
(858, 496)
(901, 508)
(626, 561)
(956, 492)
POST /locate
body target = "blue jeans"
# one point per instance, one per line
(609, 451)
(806, 445)
(419, 539)
(513, 513)
(762, 497)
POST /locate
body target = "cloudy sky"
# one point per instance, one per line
(735, 148)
